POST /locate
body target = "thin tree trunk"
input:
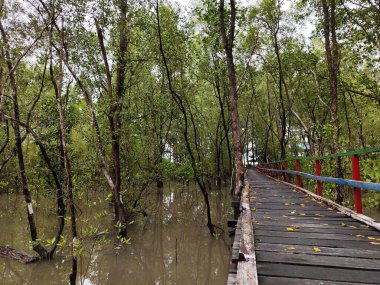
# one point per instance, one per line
(37, 246)
(66, 158)
(331, 48)
(178, 100)
(233, 96)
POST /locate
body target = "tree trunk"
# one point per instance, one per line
(332, 57)
(233, 96)
(37, 247)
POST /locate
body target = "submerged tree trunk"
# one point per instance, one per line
(37, 246)
(180, 103)
(228, 42)
(66, 157)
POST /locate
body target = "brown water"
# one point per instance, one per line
(171, 246)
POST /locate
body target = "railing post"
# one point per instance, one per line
(357, 191)
(298, 177)
(318, 173)
(279, 173)
(286, 174)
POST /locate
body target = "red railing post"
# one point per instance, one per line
(318, 173)
(357, 191)
(279, 173)
(286, 174)
(298, 177)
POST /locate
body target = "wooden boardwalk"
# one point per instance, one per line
(299, 240)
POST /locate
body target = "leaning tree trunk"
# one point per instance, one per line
(233, 96)
(180, 103)
(37, 246)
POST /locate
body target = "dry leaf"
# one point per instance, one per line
(302, 214)
(352, 227)
(316, 249)
(330, 209)
(375, 243)
(359, 236)
(343, 225)
(290, 229)
(291, 247)
(292, 218)
(371, 238)
(293, 212)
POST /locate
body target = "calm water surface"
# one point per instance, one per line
(171, 246)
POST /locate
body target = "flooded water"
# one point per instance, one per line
(170, 246)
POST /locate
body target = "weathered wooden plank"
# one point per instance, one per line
(321, 229)
(344, 252)
(318, 260)
(266, 280)
(246, 273)
(318, 273)
(308, 223)
(314, 242)
(318, 236)
(231, 279)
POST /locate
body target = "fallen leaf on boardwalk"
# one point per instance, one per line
(371, 238)
(293, 212)
(292, 218)
(286, 204)
(302, 214)
(359, 236)
(330, 209)
(364, 226)
(316, 218)
(302, 205)
(352, 227)
(343, 225)
(291, 247)
(375, 243)
(297, 227)
(316, 249)
(325, 224)
(254, 209)
(290, 229)
(285, 216)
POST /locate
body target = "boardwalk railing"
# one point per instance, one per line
(281, 166)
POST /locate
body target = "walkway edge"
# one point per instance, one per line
(347, 211)
(246, 268)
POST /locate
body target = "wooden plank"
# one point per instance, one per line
(308, 223)
(323, 228)
(231, 279)
(246, 273)
(318, 236)
(344, 252)
(314, 242)
(266, 280)
(318, 273)
(318, 260)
